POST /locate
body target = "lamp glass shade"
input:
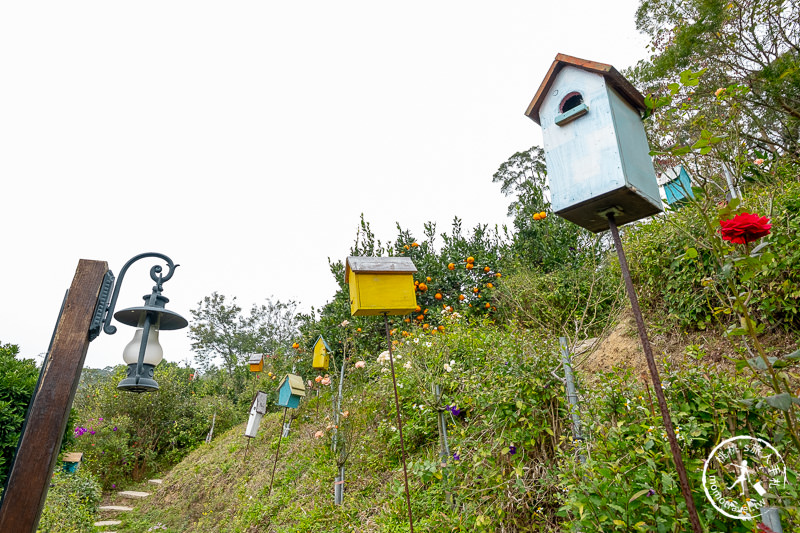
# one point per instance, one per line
(152, 354)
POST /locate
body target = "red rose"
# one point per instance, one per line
(744, 228)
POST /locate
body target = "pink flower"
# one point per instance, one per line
(319, 434)
(758, 161)
(345, 414)
(719, 91)
(326, 381)
(744, 228)
(361, 364)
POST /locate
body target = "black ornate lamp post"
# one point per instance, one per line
(144, 352)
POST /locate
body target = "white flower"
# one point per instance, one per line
(448, 368)
(393, 428)
(384, 369)
(383, 357)
(399, 357)
(407, 365)
(345, 323)
(416, 340)
(427, 344)
(452, 362)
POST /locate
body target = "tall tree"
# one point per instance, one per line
(222, 333)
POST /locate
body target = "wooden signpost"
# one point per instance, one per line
(48, 413)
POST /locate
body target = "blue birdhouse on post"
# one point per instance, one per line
(676, 186)
(290, 390)
(598, 158)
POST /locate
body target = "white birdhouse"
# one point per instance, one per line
(257, 410)
(595, 146)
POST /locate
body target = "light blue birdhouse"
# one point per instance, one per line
(290, 390)
(595, 146)
(676, 186)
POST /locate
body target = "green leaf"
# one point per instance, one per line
(638, 494)
(782, 401)
(691, 253)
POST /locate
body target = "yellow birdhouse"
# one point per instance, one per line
(256, 362)
(381, 285)
(321, 354)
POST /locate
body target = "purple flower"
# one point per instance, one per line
(113, 485)
(651, 492)
(456, 457)
(91, 432)
(100, 419)
(512, 449)
(115, 428)
(455, 411)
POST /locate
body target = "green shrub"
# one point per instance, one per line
(71, 504)
(17, 381)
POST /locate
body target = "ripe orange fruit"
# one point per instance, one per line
(537, 216)
(470, 266)
(416, 283)
(425, 312)
(359, 330)
(438, 296)
(407, 320)
(461, 297)
(414, 245)
(542, 215)
(425, 326)
(420, 317)
(441, 328)
(406, 247)
(489, 285)
(475, 290)
(497, 275)
(418, 309)
(423, 287)
(451, 266)
(488, 305)
(295, 346)
(470, 259)
(429, 278)
(392, 331)
(486, 269)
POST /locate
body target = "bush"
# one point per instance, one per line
(71, 504)
(126, 436)
(17, 381)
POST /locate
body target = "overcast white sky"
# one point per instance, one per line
(244, 138)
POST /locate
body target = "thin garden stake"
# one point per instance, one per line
(651, 364)
(572, 396)
(285, 409)
(399, 422)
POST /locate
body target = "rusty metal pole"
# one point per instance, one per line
(651, 365)
(399, 422)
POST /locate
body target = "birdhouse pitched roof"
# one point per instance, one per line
(324, 343)
(296, 385)
(255, 358)
(73, 457)
(616, 80)
(378, 265)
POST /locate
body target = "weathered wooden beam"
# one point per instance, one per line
(37, 453)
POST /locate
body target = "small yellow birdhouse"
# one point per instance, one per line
(381, 285)
(256, 362)
(321, 354)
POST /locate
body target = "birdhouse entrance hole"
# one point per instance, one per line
(570, 108)
(571, 101)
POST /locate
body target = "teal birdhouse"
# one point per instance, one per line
(676, 186)
(290, 390)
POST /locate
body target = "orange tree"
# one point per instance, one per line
(460, 277)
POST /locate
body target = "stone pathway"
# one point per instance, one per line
(130, 494)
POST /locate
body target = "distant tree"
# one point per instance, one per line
(17, 381)
(222, 333)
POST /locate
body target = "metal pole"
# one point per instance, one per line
(771, 518)
(654, 376)
(285, 409)
(572, 395)
(399, 422)
(445, 451)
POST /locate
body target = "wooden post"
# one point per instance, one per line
(29, 477)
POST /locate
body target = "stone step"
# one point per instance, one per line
(156, 481)
(115, 508)
(133, 494)
(103, 523)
